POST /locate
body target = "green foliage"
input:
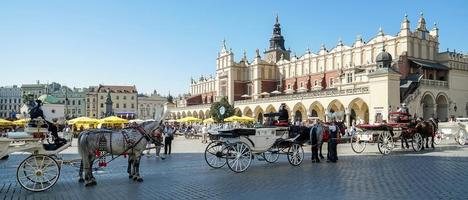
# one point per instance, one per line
(214, 110)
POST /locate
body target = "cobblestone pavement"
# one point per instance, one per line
(435, 174)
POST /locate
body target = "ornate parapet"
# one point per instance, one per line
(435, 83)
(194, 107)
(299, 96)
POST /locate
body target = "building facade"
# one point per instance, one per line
(73, 99)
(362, 81)
(123, 98)
(148, 104)
(10, 101)
(35, 90)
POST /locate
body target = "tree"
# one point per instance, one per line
(215, 110)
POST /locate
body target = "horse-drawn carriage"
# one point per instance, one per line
(238, 147)
(400, 127)
(455, 129)
(41, 170)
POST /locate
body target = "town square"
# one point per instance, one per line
(233, 100)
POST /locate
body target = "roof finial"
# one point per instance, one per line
(421, 14)
(224, 44)
(277, 18)
(245, 55)
(257, 53)
(308, 50)
(340, 41)
(359, 37)
(381, 33)
(383, 46)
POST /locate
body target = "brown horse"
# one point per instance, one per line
(427, 129)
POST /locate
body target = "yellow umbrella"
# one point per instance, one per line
(4, 122)
(208, 121)
(247, 119)
(189, 119)
(113, 120)
(233, 119)
(21, 122)
(83, 120)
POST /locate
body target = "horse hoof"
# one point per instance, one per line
(90, 184)
(130, 176)
(81, 180)
(135, 178)
(140, 179)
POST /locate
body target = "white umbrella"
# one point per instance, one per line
(276, 92)
(265, 93)
(245, 96)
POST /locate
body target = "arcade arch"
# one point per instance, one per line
(358, 111)
(442, 107)
(427, 103)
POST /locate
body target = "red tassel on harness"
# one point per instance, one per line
(98, 153)
(125, 154)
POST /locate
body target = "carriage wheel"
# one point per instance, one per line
(38, 173)
(357, 145)
(438, 138)
(239, 157)
(271, 155)
(461, 137)
(215, 154)
(386, 144)
(417, 142)
(295, 154)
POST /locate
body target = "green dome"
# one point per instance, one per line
(49, 99)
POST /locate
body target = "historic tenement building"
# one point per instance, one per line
(10, 101)
(362, 81)
(123, 100)
(148, 104)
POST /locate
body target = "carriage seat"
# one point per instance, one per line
(237, 132)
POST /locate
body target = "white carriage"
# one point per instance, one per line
(41, 170)
(457, 130)
(238, 147)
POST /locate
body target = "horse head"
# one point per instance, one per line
(159, 115)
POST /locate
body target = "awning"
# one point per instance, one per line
(430, 65)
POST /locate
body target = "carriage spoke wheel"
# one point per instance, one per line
(461, 137)
(438, 138)
(271, 155)
(239, 157)
(215, 154)
(38, 173)
(386, 144)
(357, 145)
(295, 154)
(417, 142)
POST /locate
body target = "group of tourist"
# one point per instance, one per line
(318, 135)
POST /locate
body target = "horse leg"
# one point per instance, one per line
(91, 179)
(80, 173)
(88, 168)
(137, 169)
(432, 141)
(129, 167)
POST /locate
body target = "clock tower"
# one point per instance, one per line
(276, 50)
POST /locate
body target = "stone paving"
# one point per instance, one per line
(435, 174)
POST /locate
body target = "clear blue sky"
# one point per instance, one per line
(161, 44)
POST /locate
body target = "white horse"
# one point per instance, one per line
(131, 141)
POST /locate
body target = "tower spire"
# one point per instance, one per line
(421, 22)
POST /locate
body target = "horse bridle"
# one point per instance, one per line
(142, 131)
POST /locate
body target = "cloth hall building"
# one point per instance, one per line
(362, 81)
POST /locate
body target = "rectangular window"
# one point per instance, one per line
(331, 82)
(124, 105)
(102, 105)
(315, 83)
(117, 105)
(117, 97)
(125, 97)
(302, 84)
(133, 105)
(289, 86)
(102, 97)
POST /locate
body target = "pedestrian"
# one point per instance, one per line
(333, 142)
(205, 134)
(168, 137)
(314, 143)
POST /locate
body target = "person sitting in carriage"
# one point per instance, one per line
(283, 116)
(36, 113)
